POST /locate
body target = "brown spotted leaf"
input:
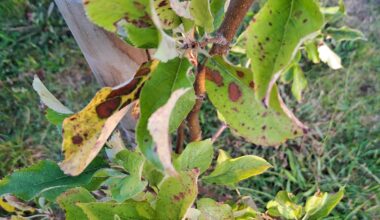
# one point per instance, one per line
(169, 19)
(274, 37)
(176, 195)
(231, 90)
(85, 132)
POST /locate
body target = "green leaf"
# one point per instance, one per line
(232, 171)
(70, 198)
(345, 34)
(217, 11)
(315, 203)
(124, 186)
(165, 79)
(211, 209)
(312, 51)
(299, 82)
(274, 37)
(168, 18)
(54, 117)
(45, 178)
(328, 205)
(196, 155)
(284, 206)
(223, 156)
(230, 90)
(129, 210)
(144, 37)
(107, 14)
(176, 195)
(333, 14)
(49, 99)
(201, 11)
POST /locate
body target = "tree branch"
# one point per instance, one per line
(235, 14)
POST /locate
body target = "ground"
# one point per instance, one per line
(341, 107)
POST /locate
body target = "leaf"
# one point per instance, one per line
(284, 206)
(167, 16)
(333, 14)
(70, 198)
(158, 126)
(218, 11)
(45, 178)
(232, 171)
(107, 14)
(54, 117)
(167, 48)
(315, 202)
(47, 98)
(274, 37)
(85, 132)
(214, 210)
(201, 11)
(345, 34)
(196, 155)
(328, 205)
(11, 204)
(231, 91)
(329, 57)
(123, 186)
(141, 37)
(299, 82)
(181, 8)
(165, 79)
(176, 195)
(129, 210)
(312, 51)
(223, 156)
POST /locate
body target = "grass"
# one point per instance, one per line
(341, 107)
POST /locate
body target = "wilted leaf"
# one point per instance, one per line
(85, 132)
(274, 37)
(196, 155)
(127, 210)
(231, 171)
(345, 34)
(211, 210)
(327, 206)
(49, 99)
(176, 195)
(158, 126)
(284, 206)
(125, 186)
(200, 10)
(70, 198)
(11, 204)
(299, 82)
(181, 8)
(166, 78)
(231, 90)
(329, 57)
(46, 179)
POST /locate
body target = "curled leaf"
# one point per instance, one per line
(158, 126)
(329, 57)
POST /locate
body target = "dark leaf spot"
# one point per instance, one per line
(105, 109)
(234, 92)
(125, 90)
(240, 73)
(214, 76)
(77, 139)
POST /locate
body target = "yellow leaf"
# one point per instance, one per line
(85, 132)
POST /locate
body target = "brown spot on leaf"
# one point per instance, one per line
(304, 20)
(77, 139)
(105, 109)
(234, 92)
(252, 85)
(214, 75)
(163, 3)
(142, 72)
(240, 73)
(264, 127)
(125, 90)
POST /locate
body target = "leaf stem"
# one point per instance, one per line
(234, 16)
(218, 132)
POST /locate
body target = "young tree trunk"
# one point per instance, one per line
(111, 60)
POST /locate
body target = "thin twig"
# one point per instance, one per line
(234, 16)
(180, 138)
(218, 132)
